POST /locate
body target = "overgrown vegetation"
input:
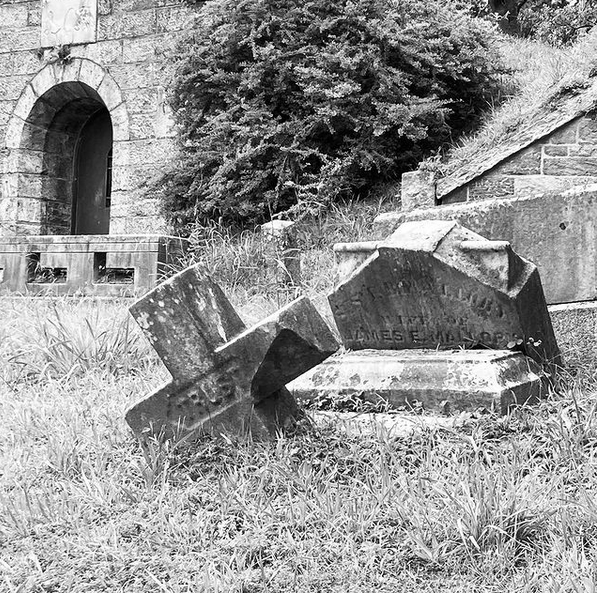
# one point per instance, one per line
(544, 78)
(480, 504)
(559, 22)
(487, 504)
(296, 105)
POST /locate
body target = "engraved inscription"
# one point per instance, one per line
(422, 336)
(67, 22)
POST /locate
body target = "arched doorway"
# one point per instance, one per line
(65, 160)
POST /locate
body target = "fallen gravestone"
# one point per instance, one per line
(435, 284)
(225, 378)
(413, 307)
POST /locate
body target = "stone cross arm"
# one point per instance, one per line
(225, 377)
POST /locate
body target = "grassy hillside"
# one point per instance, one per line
(492, 504)
(543, 78)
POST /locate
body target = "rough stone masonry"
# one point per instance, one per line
(62, 61)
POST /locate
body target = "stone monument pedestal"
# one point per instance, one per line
(441, 381)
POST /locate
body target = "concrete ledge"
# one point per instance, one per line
(458, 380)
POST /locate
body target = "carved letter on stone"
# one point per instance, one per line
(435, 284)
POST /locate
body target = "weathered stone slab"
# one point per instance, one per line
(555, 231)
(575, 327)
(225, 378)
(435, 284)
(437, 381)
(66, 22)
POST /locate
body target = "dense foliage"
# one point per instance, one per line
(557, 21)
(283, 103)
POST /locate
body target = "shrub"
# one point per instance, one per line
(559, 22)
(283, 103)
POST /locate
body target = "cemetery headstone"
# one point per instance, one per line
(435, 284)
(225, 378)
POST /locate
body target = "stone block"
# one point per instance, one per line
(557, 150)
(153, 151)
(137, 75)
(33, 14)
(491, 185)
(142, 49)
(225, 378)
(105, 7)
(119, 25)
(142, 127)
(437, 381)
(142, 100)
(173, 18)
(120, 128)
(569, 166)
(567, 134)
(25, 38)
(91, 73)
(575, 326)
(110, 92)
(534, 185)
(582, 150)
(418, 189)
(107, 53)
(11, 87)
(437, 284)
(555, 231)
(525, 162)
(587, 130)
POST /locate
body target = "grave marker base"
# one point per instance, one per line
(438, 381)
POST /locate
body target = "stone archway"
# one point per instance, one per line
(44, 140)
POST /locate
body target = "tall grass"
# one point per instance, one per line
(68, 338)
(245, 266)
(490, 504)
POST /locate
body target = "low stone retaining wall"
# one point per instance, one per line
(101, 265)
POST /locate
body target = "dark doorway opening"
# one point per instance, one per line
(93, 176)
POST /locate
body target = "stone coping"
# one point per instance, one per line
(77, 243)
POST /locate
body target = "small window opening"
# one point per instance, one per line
(104, 275)
(40, 275)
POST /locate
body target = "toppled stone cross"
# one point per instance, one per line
(225, 378)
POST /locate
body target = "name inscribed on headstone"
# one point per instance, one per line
(435, 284)
(418, 303)
(68, 22)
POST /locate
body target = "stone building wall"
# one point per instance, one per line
(564, 159)
(44, 99)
